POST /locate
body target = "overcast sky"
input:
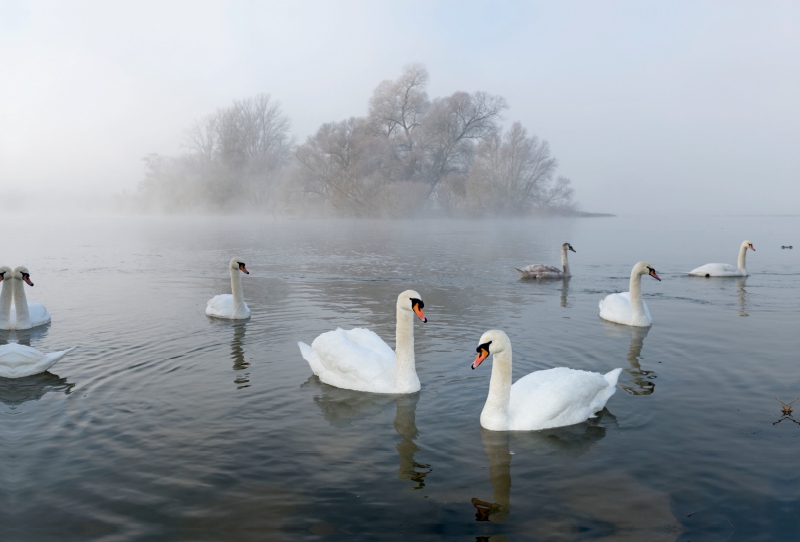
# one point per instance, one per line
(650, 107)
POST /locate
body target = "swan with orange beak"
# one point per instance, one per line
(542, 399)
(25, 314)
(357, 359)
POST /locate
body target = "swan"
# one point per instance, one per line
(17, 360)
(539, 271)
(23, 314)
(358, 359)
(231, 305)
(542, 399)
(724, 269)
(628, 307)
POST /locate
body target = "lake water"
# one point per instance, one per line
(168, 425)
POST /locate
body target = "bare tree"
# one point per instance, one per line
(337, 165)
(511, 172)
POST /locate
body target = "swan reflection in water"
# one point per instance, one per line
(571, 441)
(23, 336)
(341, 407)
(565, 292)
(242, 379)
(15, 391)
(641, 381)
(742, 296)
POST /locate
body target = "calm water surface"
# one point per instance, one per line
(168, 425)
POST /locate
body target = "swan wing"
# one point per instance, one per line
(39, 314)
(354, 359)
(17, 360)
(220, 306)
(540, 271)
(616, 308)
(716, 270)
(557, 397)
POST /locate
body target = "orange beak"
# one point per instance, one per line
(244, 269)
(419, 313)
(654, 275)
(752, 248)
(27, 279)
(482, 355)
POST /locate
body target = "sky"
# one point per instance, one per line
(651, 108)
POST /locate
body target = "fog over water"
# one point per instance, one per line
(688, 107)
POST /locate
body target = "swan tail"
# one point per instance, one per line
(605, 394)
(310, 355)
(612, 377)
(521, 272)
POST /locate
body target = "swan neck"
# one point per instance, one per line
(742, 258)
(5, 304)
(405, 370)
(21, 305)
(236, 290)
(495, 411)
(637, 305)
(565, 261)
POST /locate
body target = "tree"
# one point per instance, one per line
(512, 174)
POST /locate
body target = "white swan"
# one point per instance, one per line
(17, 360)
(628, 307)
(23, 314)
(358, 359)
(231, 306)
(539, 271)
(541, 399)
(725, 269)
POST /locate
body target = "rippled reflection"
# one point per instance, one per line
(242, 380)
(342, 407)
(742, 296)
(23, 336)
(571, 441)
(15, 391)
(240, 364)
(641, 381)
(565, 293)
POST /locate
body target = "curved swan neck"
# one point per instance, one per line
(21, 304)
(565, 261)
(5, 303)
(637, 305)
(236, 290)
(742, 258)
(405, 370)
(495, 412)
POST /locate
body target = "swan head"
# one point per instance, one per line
(492, 342)
(237, 263)
(22, 273)
(5, 272)
(567, 246)
(412, 301)
(644, 268)
(748, 244)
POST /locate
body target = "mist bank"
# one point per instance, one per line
(412, 155)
